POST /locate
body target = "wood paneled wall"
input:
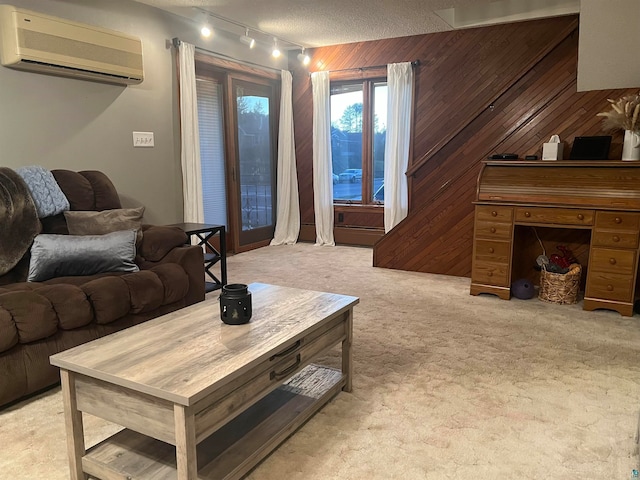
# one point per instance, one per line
(504, 88)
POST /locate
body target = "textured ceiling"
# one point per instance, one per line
(315, 23)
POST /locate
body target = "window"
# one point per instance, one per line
(358, 130)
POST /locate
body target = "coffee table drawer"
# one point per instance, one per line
(259, 381)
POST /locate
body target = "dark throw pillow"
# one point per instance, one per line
(72, 255)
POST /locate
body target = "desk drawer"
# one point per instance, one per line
(610, 286)
(494, 213)
(489, 229)
(629, 222)
(614, 238)
(557, 216)
(619, 262)
(495, 251)
(489, 273)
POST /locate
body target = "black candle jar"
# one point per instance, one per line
(235, 304)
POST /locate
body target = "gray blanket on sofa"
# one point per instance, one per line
(19, 222)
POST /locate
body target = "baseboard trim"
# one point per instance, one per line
(357, 236)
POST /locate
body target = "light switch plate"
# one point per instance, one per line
(143, 139)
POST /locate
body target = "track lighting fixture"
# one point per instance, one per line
(275, 53)
(247, 40)
(204, 17)
(304, 59)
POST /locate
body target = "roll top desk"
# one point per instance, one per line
(594, 206)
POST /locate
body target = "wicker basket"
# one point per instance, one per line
(560, 287)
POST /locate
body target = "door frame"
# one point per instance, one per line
(227, 71)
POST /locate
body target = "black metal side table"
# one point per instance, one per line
(204, 232)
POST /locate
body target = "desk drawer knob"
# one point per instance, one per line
(491, 250)
(612, 261)
(527, 214)
(580, 216)
(610, 288)
(493, 229)
(616, 238)
(618, 220)
(494, 213)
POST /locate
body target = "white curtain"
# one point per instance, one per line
(322, 171)
(396, 151)
(288, 218)
(189, 136)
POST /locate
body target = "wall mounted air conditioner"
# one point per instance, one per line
(45, 44)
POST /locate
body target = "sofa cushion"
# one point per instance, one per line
(87, 190)
(159, 240)
(105, 194)
(64, 255)
(45, 191)
(70, 304)
(8, 330)
(110, 298)
(146, 291)
(106, 221)
(32, 313)
(174, 280)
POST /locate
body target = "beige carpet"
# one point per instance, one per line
(446, 385)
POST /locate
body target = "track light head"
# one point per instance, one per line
(205, 31)
(247, 40)
(275, 53)
(304, 58)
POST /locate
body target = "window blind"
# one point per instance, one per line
(210, 119)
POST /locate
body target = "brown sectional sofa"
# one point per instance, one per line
(38, 319)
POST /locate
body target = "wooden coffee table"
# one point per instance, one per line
(200, 399)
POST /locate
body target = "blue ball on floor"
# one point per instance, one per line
(523, 289)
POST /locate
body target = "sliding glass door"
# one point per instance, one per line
(237, 113)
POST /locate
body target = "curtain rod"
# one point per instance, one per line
(414, 64)
(176, 43)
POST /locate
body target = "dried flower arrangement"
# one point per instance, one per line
(624, 114)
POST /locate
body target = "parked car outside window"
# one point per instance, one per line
(336, 178)
(379, 195)
(351, 175)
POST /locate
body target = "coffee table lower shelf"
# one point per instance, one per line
(233, 450)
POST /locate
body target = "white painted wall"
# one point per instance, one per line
(74, 124)
(609, 44)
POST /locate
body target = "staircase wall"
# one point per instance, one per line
(504, 88)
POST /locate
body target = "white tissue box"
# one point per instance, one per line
(552, 151)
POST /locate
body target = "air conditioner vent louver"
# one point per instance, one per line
(39, 66)
(45, 44)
